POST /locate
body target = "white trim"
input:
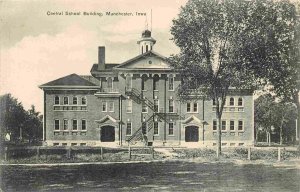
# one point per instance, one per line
(107, 117)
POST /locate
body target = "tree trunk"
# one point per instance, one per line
(219, 137)
(269, 134)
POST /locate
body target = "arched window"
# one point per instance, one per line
(147, 48)
(56, 100)
(240, 102)
(231, 101)
(155, 82)
(144, 78)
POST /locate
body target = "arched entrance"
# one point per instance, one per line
(107, 134)
(192, 133)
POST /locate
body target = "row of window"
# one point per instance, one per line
(144, 128)
(232, 101)
(190, 107)
(232, 124)
(144, 77)
(66, 126)
(66, 100)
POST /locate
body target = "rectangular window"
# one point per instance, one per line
(83, 101)
(111, 106)
(231, 125)
(56, 124)
(83, 124)
(74, 124)
(66, 124)
(129, 106)
(155, 127)
(171, 106)
(240, 102)
(74, 100)
(214, 125)
(171, 83)
(241, 125)
(188, 107)
(128, 128)
(156, 106)
(66, 100)
(195, 107)
(171, 129)
(104, 106)
(144, 107)
(223, 125)
(56, 100)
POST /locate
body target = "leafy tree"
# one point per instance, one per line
(226, 44)
(285, 112)
(17, 122)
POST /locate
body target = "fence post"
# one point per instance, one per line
(279, 154)
(38, 153)
(101, 149)
(129, 152)
(249, 153)
(6, 154)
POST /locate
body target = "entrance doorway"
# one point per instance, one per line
(191, 134)
(107, 134)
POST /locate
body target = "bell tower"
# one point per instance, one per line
(146, 42)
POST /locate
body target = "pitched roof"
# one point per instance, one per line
(149, 53)
(69, 80)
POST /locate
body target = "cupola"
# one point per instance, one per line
(146, 42)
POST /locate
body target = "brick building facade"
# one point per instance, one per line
(136, 102)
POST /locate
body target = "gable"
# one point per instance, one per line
(192, 120)
(149, 60)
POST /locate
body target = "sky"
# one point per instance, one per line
(36, 47)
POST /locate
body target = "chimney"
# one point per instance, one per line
(101, 58)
